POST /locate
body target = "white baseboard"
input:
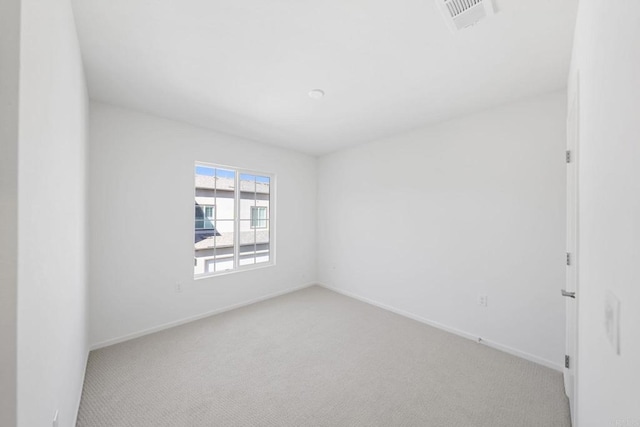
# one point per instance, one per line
(193, 318)
(523, 355)
(492, 344)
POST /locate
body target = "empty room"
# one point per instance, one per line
(336, 213)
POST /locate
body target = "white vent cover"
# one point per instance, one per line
(461, 14)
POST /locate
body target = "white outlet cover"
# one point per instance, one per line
(612, 320)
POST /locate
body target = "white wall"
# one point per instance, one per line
(141, 210)
(52, 324)
(9, 77)
(426, 221)
(607, 56)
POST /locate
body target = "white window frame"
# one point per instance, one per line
(236, 247)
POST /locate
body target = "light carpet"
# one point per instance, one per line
(315, 358)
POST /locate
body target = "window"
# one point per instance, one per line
(233, 219)
(258, 217)
(204, 216)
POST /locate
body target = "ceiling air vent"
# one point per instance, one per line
(461, 14)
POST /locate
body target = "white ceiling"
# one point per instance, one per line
(245, 67)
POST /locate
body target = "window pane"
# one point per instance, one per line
(263, 184)
(205, 181)
(262, 252)
(205, 171)
(225, 232)
(247, 258)
(225, 174)
(210, 265)
(247, 202)
(214, 248)
(223, 259)
(262, 234)
(247, 233)
(225, 194)
(247, 195)
(247, 183)
(254, 247)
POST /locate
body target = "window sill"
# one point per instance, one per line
(237, 270)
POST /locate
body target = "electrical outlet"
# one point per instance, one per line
(482, 300)
(612, 320)
(178, 287)
(55, 419)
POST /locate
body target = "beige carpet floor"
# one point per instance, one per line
(315, 358)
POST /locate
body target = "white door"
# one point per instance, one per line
(571, 289)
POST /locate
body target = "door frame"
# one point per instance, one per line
(573, 204)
